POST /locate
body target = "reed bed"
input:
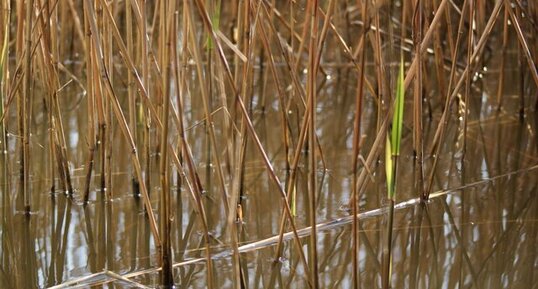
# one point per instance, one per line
(182, 98)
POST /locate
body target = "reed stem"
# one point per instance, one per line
(166, 36)
(25, 115)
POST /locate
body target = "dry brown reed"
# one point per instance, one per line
(152, 72)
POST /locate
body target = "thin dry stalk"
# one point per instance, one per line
(304, 36)
(242, 72)
(130, 89)
(144, 45)
(404, 20)
(65, 47)
(438, 55)
(470, 48)
(387, 252)
(500, 87)
(383, 90)
(4, 68)
(356, 145)
(106, 174)
(91, 88)
(166, 39)
(100, 101)
(24, 114)
(417, 111)
(449, 31)
(521, 82)
(13, 90)
(312, 160)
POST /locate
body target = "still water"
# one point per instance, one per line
(479, 231)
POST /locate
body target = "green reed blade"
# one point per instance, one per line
(388, 168)
(397, 119)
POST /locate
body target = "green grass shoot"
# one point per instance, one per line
(389, 167)
(392, 148)
(397, 118)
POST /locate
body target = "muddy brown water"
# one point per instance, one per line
(479, 231)
(480, 236)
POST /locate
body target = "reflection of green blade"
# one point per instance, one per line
(397, 119)
(388, 168)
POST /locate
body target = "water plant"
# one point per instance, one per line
(392, 153)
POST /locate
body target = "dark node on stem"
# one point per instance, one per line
(424, 197)
(136, 188)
